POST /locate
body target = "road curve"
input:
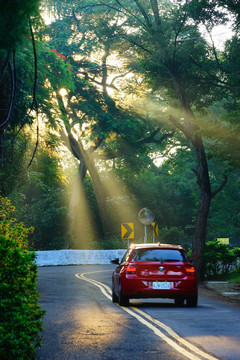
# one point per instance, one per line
(82, 322)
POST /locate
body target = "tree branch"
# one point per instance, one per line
(131, 40)
(225, 178)
(197, 175)
(180, 126)
(34, 102)
(117, 77)
(95, 147)
(5, 122)
(207, 72)
(131, 14)
(5, 63)
(37, 141)
(145, 15)
(151, 138)
(155, 9)
(213, 46)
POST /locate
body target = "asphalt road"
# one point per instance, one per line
(82, 323)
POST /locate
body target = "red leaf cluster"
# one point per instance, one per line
(58, 54)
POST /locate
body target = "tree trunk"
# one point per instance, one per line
(200, 233)
(191, 131)
(86, 164)
(82, 170)
(203, 206)
(1, 149)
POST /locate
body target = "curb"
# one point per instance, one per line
(227, 289)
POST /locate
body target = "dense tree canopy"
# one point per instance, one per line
(173, 57)
(119, 85)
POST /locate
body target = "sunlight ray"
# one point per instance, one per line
(81, 223)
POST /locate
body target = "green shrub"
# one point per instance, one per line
(20, 312)
(10, 228)
(172, 235)
(220, 259)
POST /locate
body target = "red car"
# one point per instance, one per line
(155, 271)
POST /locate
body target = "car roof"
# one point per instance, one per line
(156, 246)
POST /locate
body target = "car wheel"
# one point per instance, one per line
(122, 299)
(114, 296)
(192, 300)
(179, 301)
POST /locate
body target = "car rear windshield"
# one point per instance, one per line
(159, 255)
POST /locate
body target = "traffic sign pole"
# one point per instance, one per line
(145, 234)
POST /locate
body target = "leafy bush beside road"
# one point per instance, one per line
(220, 259)
(10, 228)
(20, 311)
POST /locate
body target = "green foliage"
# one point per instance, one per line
(224, 215)
(49, 220)
(95, 111)
(232, 276)
(219, 259)
(10, 228)
(171, 196)
(40, 202)
(172, 235)
(20, 312)
(14, 20)
(38, 194)
(75, 52)
(13, 167)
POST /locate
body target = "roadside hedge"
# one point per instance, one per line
(220, 259)
(20, 312)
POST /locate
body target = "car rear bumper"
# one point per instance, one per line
(141, 288)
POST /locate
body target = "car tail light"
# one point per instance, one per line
(190, 270)
(131, 269)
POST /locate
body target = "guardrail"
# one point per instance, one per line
(77, 257)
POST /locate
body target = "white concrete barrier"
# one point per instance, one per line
(77, 257)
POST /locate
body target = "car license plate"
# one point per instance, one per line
(161, 285)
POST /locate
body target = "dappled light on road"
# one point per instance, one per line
(92, 331)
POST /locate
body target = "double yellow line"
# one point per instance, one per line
(170, 337)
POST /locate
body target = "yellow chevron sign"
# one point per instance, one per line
(127, 231)
(155, 229)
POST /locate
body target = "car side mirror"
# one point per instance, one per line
(115, 261)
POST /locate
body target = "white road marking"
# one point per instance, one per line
(230, 293)
(173, 339)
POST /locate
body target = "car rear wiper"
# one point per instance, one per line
(170, 260)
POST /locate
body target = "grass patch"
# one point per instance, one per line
(231, 276)
(234, 276)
